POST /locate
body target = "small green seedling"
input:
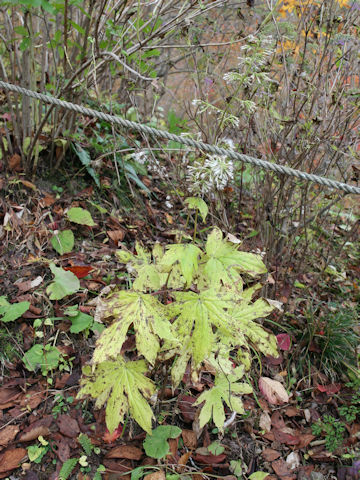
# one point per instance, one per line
(156, 445)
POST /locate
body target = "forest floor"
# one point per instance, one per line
(41, 420)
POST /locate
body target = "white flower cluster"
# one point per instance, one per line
(153, 164)
(229, 142)
(213, 174)
(256, 54)
(156, 168)
(140, 157)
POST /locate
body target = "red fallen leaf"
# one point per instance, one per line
(277, 420)
(111, 437)
(209, 459)
(86, 308)
(63, 449)
(284, 341)
(269, 436)
(80, 271)
(329, 389)
(286, 438)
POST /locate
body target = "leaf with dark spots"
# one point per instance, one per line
(124, 387)
(148, 317)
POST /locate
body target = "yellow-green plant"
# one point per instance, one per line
(187, 306)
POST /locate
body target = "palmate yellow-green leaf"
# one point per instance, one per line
(180, 364)
(221, 360)
(187, 256)
(124, 387)
(196, 316)
(147, 315)
(242, 317)
(223, 263)
(244, 357)
(226, 389)
(248, 293)
(149, 276)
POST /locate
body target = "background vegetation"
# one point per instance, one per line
(274, 80)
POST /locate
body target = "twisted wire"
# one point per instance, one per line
(154, 132)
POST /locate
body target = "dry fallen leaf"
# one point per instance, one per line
(34, 433)
(330, 389)
(15, 163)
(160, 475)
(273, 391)
(270, 455)
(8, 434)
(8, 397)
(189, 437)
(11, 459)
(292, 411)
(265, 422)
(68, 426)
(280, 467)
(116, 235)
(293, 460)
(28, 184)
(125, 451)
(183, 461)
